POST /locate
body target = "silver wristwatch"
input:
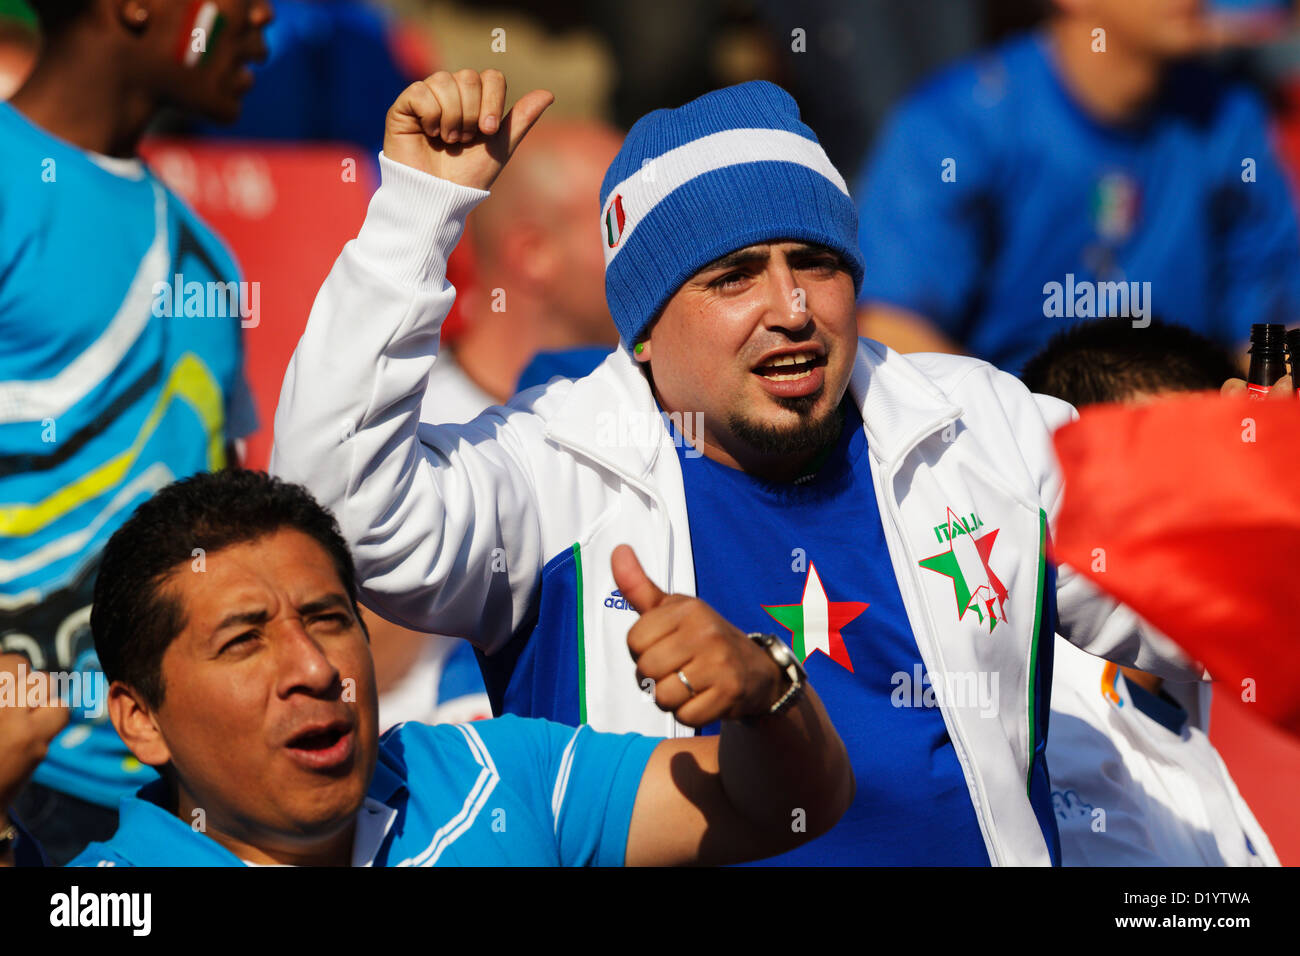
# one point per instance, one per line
(789, 664)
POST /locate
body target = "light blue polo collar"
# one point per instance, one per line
(148, 835)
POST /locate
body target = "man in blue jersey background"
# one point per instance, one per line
(249, 683)
(1082, 171)
(121, 315)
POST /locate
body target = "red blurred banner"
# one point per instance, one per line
(286, 211)
(1265, 765)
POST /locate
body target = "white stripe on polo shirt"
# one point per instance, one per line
(454, 828)
(35, 399)
(657, 178)
(562, 780)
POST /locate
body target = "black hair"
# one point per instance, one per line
(55, 16)
(1108, 360)
(133, 618)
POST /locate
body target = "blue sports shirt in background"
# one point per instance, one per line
(102, 400)
(331, 69)
(991, 182)
(566, 363)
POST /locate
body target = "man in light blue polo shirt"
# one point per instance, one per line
(489, 793)
(225, 617)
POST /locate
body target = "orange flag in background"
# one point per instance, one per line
(1188, 511)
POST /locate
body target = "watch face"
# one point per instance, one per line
(781, 652)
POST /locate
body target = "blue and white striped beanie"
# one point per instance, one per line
(730, 169)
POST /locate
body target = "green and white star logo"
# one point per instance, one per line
(966, 561)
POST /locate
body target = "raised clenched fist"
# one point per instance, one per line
(454, 125)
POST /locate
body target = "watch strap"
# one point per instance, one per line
(789, 666)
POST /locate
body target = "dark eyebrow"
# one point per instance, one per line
(329, 601)
(240, 618)
(756, 255)
(245, 618)
(741, 257)
(812, 250)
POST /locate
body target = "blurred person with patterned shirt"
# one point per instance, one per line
(121, 314)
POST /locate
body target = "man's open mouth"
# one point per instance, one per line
(790, 367)
(319, 739)
(322, 747)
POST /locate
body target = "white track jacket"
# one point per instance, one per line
(1131, 791)
(501, 530)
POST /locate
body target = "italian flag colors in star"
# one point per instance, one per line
(967, 562)
(814, 624)
(203, 24)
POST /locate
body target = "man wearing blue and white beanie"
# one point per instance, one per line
(877, 521)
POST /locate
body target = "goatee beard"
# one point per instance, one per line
(802, 437)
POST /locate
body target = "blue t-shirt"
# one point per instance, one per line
(996, 207)
(331, 69)
(566, 363)
(460, 675)
(504, 792)
(107, 393)
(808, 561)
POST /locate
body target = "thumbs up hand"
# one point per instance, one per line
(703, 668)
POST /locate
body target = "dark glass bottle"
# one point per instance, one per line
(1267, 358)
(1293, 349)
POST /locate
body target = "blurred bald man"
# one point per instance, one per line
(540, 270)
